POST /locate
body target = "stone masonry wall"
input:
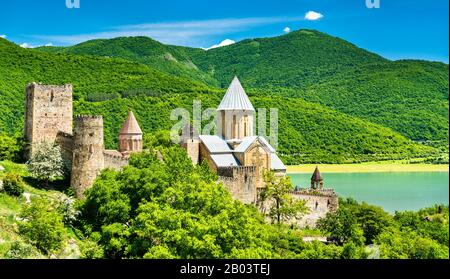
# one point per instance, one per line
(48, 110)
(240, 182)
(114, 162)
(88, 158)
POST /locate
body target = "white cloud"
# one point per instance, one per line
(3, 36)
(311, 15)
(192, 33)
(223, 43)
(48, 45)
(26, 45)
(287, 30)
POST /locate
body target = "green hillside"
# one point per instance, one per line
(111, 87)
(410, 97)
(169, 59)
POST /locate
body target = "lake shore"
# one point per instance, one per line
(368, 167)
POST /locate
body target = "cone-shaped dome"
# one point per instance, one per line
(316, 175)
(236, 98)
(130, 126)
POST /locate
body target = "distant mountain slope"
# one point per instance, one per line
(170, 59)
(308, 131)
(298, 59)
(410, 97)
(94, 78)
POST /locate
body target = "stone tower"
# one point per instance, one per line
(317, 180)
(130, 136)
(235, 113)
(88, 149)
(48, 111)
(191, 143)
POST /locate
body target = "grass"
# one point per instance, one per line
(387, 166)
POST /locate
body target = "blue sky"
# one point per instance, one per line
(397, 29)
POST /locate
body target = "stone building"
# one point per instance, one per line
(239, 157)
(49, 117)
(236, 154)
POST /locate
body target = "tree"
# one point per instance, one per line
(277, 194)
(46, 162)
(342, 226)
(9, 148)
(43, 225)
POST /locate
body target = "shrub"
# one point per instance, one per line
(13, 184)
(43, 225)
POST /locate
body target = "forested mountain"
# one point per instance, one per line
(410, 97)
(328, 91)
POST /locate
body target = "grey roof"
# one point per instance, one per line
(247, 141)
(224, 160)
(215, 144)
(276, 163)
(236, 98)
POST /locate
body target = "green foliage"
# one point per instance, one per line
(43, 226)
(10, 148)
(406, 235)
(13, 184)
(342, 226)
(276, 193)
(21, 250)
(46, 162)
(168, 209)
(312, 131)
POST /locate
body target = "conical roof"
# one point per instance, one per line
(236, 98)
(130, 126)
(316, 175)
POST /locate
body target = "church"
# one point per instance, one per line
(236, 154)
(239, 157)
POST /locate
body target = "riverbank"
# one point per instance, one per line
(369, 167)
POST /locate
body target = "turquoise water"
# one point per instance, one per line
(390, 190)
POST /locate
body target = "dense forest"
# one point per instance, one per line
(171, 209)
(337, 103)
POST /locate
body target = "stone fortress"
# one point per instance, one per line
(49, 117)
(236, 154)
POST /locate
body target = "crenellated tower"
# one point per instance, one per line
(88, 149)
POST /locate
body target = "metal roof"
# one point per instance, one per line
(247, 141)
(215, 144)
(235, 98)
(276, 163)
(224, 160)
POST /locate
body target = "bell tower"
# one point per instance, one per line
(235, 113)
(130, 137)
(317, 180)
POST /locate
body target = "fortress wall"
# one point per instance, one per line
(240, 182)
(65, 142)
(114, 161)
